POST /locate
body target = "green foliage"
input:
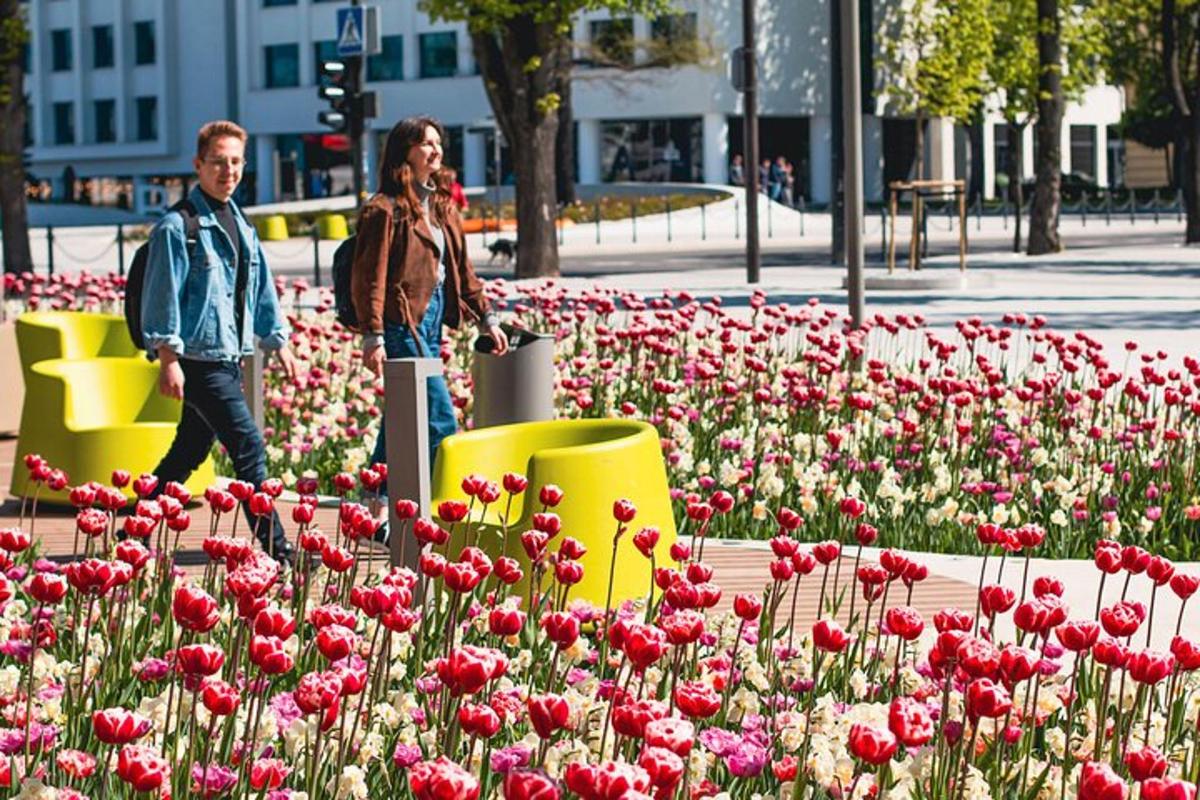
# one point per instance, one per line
(1132, 36)
(14, 35)
(492, 15)
(935, 57)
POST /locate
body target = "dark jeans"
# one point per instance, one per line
(398, 343)
(214, 407)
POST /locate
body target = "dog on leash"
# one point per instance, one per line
(505, 250)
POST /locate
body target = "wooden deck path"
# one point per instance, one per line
(738, 566)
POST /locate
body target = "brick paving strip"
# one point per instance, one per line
(738, 566)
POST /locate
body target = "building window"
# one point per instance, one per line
(27, 58)
(389, 64)
(143, 42)
(60, 50)
(673, 40)
(651, 150)
(1083, 150)
(612, 42)
(106, 120)
(269, 3)
(323, 51)
(147, 119)
(283, 65)
(64, 123)
(439, 54)
(102, 46)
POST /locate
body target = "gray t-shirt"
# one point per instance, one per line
(439, 236)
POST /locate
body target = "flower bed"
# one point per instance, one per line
(1010, 422)
(123, 676)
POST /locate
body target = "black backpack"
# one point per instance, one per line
(137, 271)
(343, 300)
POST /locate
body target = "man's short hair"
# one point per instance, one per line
(217, 129)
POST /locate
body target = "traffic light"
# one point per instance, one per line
(340, 88)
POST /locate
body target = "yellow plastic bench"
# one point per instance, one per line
(91, 416)
(42, 335)
(595, 463)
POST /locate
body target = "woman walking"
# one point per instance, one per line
(411, 272)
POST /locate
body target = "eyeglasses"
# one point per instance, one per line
(227, 163)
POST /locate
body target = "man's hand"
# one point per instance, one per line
(373, 359)
(288, 362)
(170, 374)
(500, 338)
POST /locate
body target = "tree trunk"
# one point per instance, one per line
(564, 145)
(1190, 179)
(1043, 217)
(13, 210)
(523, 99)
(1016, 155)
(1187, 111)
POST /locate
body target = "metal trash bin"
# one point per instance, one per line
(517, 386)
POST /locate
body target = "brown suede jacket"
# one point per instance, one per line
(395, 269)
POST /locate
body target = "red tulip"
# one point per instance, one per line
(747, 607)
(673, 733)
(1017, 664)
(1110, 653)
(452, 511)
(978, 657)
(872, 745)
(1168, 789)
(664, 767)
(1145, 763)
(548, 713)
(505, 622)
(195, 609)
(1186, 652)
(76, 764)
(1048, 585)
(514, 483)
(996, 599)
(268, 774)
(696, 699)
(852, 507)
(610, 780)
(274, 621)
(1078, 635)
(1097, 781)
(644, 644)
(469, 668)
(461, 577)
(14, 540)
(526, 784)
(220, 698)
(645, 540)
(318, 691)
(987, 699)
(119, 726)
(479, 720)
(952, 619)
(47, 589)
(561, 627)
(624, 511)
(910, 721)
(144, 485)
(442, 780)
(568, 572)
(120, 478)
(508, 570)
(1149, 666)
(905, 622)
(1184, 585)
(1160, 570)
(142, 767)
(199, 659)
(336, 642)
(829, 637)
(1120, 620)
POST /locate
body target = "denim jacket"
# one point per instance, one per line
(188, 301)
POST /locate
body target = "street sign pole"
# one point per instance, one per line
(852, 158)
(750, 107)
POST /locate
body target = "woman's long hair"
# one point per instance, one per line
(396, 176)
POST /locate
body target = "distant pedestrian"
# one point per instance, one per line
(764, 175)
(737, 172)
(449, 176)
(776, 178)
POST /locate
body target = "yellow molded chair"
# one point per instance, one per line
(91, 416)
(595, 463)
(42, 335)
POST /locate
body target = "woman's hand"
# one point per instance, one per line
(373, 359)
(500, 338)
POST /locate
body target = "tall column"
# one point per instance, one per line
(1102, 155)
(820, 158)
(716, 148)
(588, 151)
(989, 159)
(474, 159)
(872, 133)
(264, 169)
(1027, 167)
(941, 149)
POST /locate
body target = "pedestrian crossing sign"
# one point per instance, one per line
(350, 31)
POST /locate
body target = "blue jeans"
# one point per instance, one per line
(398, 343)
(214, 407)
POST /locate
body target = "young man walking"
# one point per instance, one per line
(204, 302)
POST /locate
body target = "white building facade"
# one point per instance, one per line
(258, 62)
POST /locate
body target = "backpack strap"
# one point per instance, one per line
(191, 221)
